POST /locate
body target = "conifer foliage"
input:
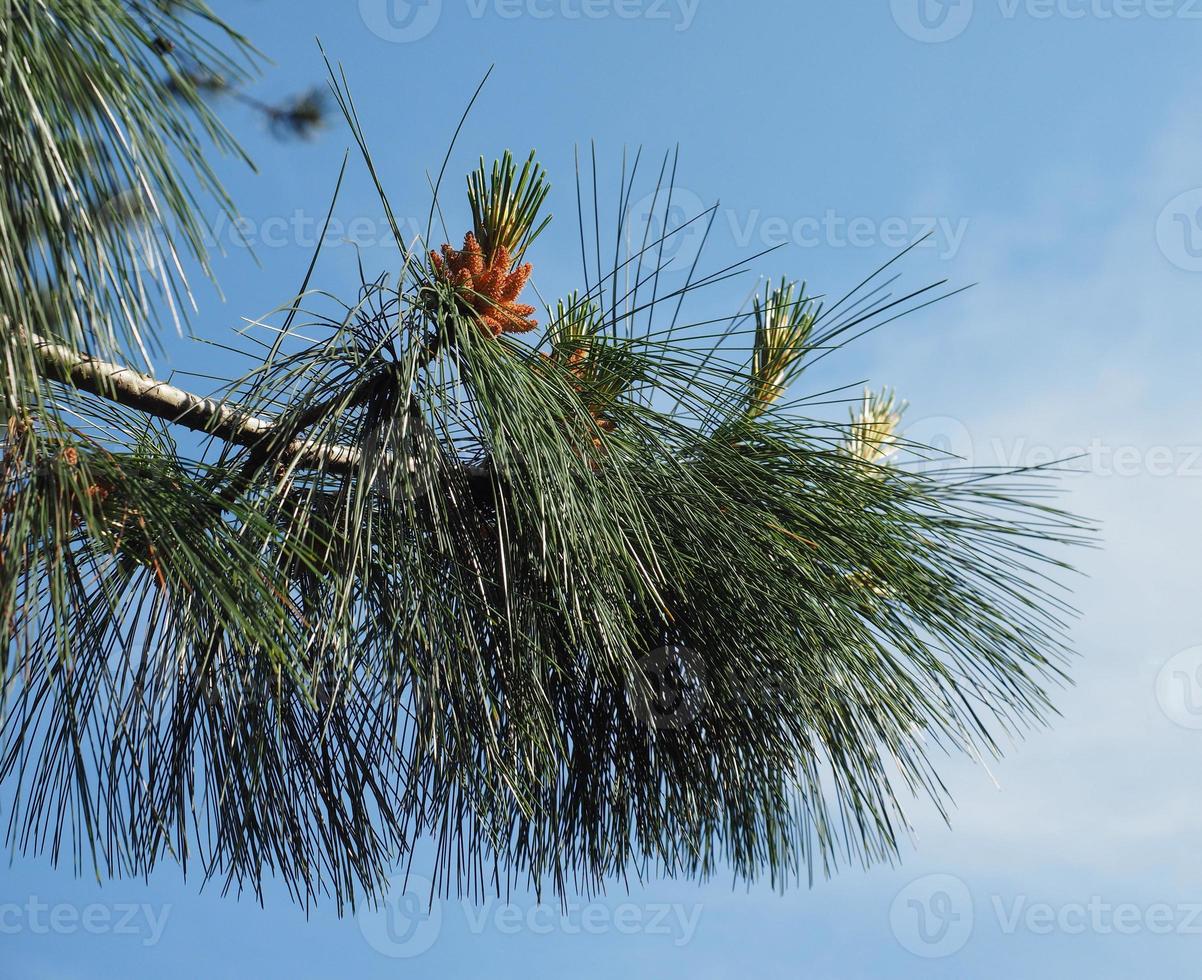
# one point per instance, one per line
(431, 584)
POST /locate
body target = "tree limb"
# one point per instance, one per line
(226, 421)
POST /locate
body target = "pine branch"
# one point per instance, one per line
(681, 627)
(222, 419)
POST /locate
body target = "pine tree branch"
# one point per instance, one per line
(222, 419)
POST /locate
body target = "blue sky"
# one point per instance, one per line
(1054, 149)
